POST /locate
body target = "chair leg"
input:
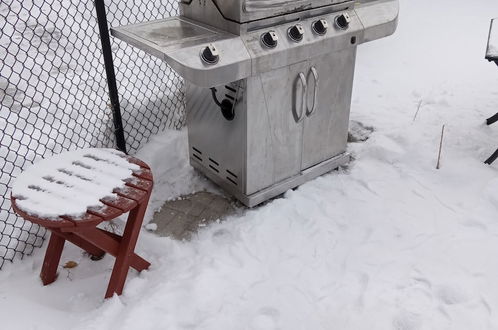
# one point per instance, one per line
(52, 258)
(111, 244)
(91, 249)
(126, 249)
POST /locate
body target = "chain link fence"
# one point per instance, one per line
(54, 97)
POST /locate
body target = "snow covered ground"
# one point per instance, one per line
(388, 243)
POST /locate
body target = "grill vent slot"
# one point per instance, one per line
(232, 177)
(231, 180)
(232, 174)
(197, 154)
(231, 89)
(214, 165)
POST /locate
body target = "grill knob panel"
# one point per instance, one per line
(296, 32)
(269, 39)
(320, 27)
(342, 21)
(210, 54)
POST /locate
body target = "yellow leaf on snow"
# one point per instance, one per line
(70, 264)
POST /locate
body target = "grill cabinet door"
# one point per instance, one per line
(274, 136)
(326, 129)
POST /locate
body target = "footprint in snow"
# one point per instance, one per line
(266, 319)
(358, 132)
(222, 236)
(450, 295)
(407, 321)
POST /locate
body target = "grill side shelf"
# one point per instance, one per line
(180, 41)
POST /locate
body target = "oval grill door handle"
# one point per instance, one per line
(300, 115)
(313, 73)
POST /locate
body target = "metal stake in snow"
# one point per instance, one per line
(438, 166)
(418, 109)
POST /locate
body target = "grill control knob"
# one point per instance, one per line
(342, 21)
(320, 27)
(210, 54)
(270, 39)
(296, 32)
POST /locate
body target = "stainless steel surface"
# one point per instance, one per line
(280, 187)
(216, 143)
(269, 84)
(300, 92)
(273, 137)
(243, 11)
(179, 41)
(326, 131)
(379, 18)
(289, 52)
(314, 97)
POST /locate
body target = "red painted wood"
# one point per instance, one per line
(144, 174)
(139, 183)
(131, 193)
(53, 254)
(105, 212)
(86, 220)
(47, 223)
(82, 230)
(126, 248)
(105, 241)
(81, 243)
(137, 262)
(137, 161)
(120, 202)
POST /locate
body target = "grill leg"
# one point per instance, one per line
(126, 249)
(52, 258)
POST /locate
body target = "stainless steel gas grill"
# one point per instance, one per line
(269, 84)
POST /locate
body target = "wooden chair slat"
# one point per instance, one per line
(131, 193)
(105, 212)
(137, 161)
(120, 202)
(85, 220)
(144, 174)
(139, 183)
(47, 223)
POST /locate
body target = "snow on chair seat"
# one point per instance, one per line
(71, 193)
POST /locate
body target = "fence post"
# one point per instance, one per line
(111, 75)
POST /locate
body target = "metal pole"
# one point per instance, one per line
(111, 75)
(492, 158)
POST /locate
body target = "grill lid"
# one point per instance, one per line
(262, 5)
(244, 11)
